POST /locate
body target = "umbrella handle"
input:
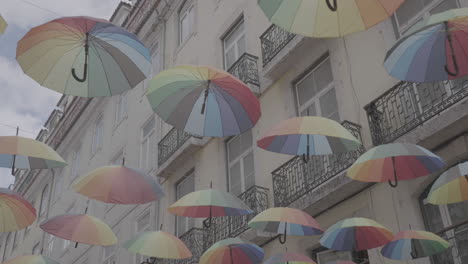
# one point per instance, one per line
(204, 101)
(207, 222)
(393, 185)
(76, 244)
(14, 156)
(333, 7)
(85, 69)
(413, 256)
(454, 59)
(305, 158)
(282, 239)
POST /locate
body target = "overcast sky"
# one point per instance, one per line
(23, 102)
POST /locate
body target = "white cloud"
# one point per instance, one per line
(23, 102)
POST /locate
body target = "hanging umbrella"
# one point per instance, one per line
(286, 221)
(203, 101)
(81, 228)
(341, 262)
(25, 153)
(31, 259)
(327, 18)
(159, 245)
(451, 186)
(3, 25)
(119, 185)
(408, 245)
(356, 234)
(83, 56)
(289, 258)
(309, 135)
(435, 49)
(209, 203)
(233, 251)
(15, 212)
(397, 161)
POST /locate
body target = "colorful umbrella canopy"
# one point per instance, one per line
(203, 101)
(356, 234)
(3, 25)
(84, 56)
(15, 212)
(119, 185)
(327, 18)
(435, 50)
(286, 221)
(309, 135)
(209, 203)
(31, 259)
(25, 153)
(341, 262)
(451, 186)
(413, 244)
(233, 251)
(81, 228)
(159, 245)
(289, 258)
(396, 161)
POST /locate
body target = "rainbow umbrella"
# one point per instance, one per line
(159, 245)
(31, 259)
(233, 251)
(15, 212)
(451, 186)
(327, 18)
(25, 153)
(309, 135)
(289, 258)
(84, 56)
(203, 101)
(435, 49)
(119, 185)
(396, 161)
(3, 25)
(341, 262)
(356, 234)
(286, 221)
(408, 245)
(80, 228)
(209, 203)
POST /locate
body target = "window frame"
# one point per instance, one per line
(146, 142)
(121, 108)
(44, 201)
(137, 257)
(36, 246)
(76, 160)
(190, 223)
(187, 9)
(15, 241)
(240, 159)
(98, 135)
(234, 45)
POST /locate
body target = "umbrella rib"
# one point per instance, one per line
(68, 79)
(458, 41)
(219, 110)
(104, 68)
(231, 108)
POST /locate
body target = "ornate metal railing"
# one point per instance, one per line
(273, 40)
(170, 144)
(256, 198)
(296, 178)
(457, 235)
(408, 105)
(246, 69)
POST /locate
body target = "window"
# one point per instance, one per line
(241, 171)
(413, 11)
(66, 243)
(183, 187)
(118, 159)
(50, 245)
(148, 146)
(98, 135)
(75, 164)
(444, 216)
(315, 92)
(323, 256)
(36, 249)
(58, 187)
(121, 108)
(186, 21)
(44, 201)
(156, 59)
(234, 44)
(143, 224)
(28, 228)
(15, 240)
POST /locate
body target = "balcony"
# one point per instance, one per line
(193, 239)
(273, 40)
(295, 179)
(256, 198)
(246, 70)
(409, 105)
(170, 144)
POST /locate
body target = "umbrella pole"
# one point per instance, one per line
(207, 222)
(394, 185)
(454, 59)
(282, 238)
(230, 253)
(306, 157)
(333, 7)
(14, 156)
(85, 69)
(207, 91)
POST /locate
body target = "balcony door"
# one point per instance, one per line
(183, 187)
(241, 170)
(234, 44)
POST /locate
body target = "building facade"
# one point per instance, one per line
(342, 79)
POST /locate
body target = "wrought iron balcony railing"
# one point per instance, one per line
(296, 178)
(246, 69)
(408, 105)
(273, 40)
(170, 144)
(256, 198)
